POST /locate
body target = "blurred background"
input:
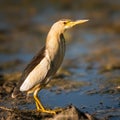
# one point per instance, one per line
(24, 26)
(92, 63)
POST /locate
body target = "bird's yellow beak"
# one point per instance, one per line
(73, 23)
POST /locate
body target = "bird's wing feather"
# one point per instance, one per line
(37, 75)
(34, 62)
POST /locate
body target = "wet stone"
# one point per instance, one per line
(68, 113)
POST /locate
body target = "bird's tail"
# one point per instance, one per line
(16, 93)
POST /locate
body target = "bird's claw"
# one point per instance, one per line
(55, 111)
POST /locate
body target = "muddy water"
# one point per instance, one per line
(90, 74)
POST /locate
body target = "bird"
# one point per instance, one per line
(45, 64)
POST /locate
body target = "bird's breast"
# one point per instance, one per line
(57, 53)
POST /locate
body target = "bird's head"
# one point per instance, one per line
(69, 23)
(65, 24)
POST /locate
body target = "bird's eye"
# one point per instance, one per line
(65, 23)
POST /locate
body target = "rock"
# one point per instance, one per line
(69, 113)
(72, 113)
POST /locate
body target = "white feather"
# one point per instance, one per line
(36, 75)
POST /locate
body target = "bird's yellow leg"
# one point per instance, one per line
(37, 101)
(39, 105)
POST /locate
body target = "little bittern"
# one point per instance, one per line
(45, 64)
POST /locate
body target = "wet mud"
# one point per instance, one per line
(10, 111)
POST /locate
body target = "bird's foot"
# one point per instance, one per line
(55, 111)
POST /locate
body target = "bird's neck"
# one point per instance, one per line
(54, 43)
